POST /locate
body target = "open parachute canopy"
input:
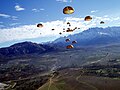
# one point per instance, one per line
(68, 22)
(68, 10)
(39, 25)
(102, 22)
(67, 40)
(69, 46)
(88, 18)
(69, 30)
(73, 42)
(75, 28)
(53, 29)
(60, 33)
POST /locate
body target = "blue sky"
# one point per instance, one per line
(18, 17)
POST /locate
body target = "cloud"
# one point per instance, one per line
(102, 33)
(62, 0)
(14, 17)
(1, 26)
(117, 18)
(37, 10)
(32, 31)
(94, 11)
(13, 24)
(19, 8)
(4, 15)
(8, 16)
(42, 9)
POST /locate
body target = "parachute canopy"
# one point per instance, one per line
(69, 30)
(68, 10)
(73, 42)
(67, 40)
(39, 25)
(68, 22)
(60, 33)
(53, 29)
(102, 22)
(88, 18)
(74, 28)
(69, 46)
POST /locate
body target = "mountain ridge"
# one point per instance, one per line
(91, 37)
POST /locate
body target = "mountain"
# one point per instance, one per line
(92, 36)
(25, 48)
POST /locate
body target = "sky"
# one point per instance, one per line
(18, 18)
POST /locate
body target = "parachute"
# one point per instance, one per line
(68, 10)
(67, 40)
(74, 28)
(88, 18)
(60, 33)
(68, 22)
(69, 30)
(53, 29)
(69, 46)
(73, 42)
(102, 22)
(39, 25)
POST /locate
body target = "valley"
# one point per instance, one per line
(88, 68)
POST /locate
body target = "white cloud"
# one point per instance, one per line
(4, 15)
(102, 33)
(31, 31)
(94, 11)
(13, 24)
(117, 18)
(1, 26)
(62, 0)
(42, 9)
(37, 10)
(105, 16)
(14, 17)
(8, 16)
(19, 8)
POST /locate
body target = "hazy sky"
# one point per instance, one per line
(18, 18)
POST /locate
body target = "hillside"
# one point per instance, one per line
(31, 66)
(93, 37)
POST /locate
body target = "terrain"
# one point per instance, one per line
(93, 64)
(77, 79)
(89, 65)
